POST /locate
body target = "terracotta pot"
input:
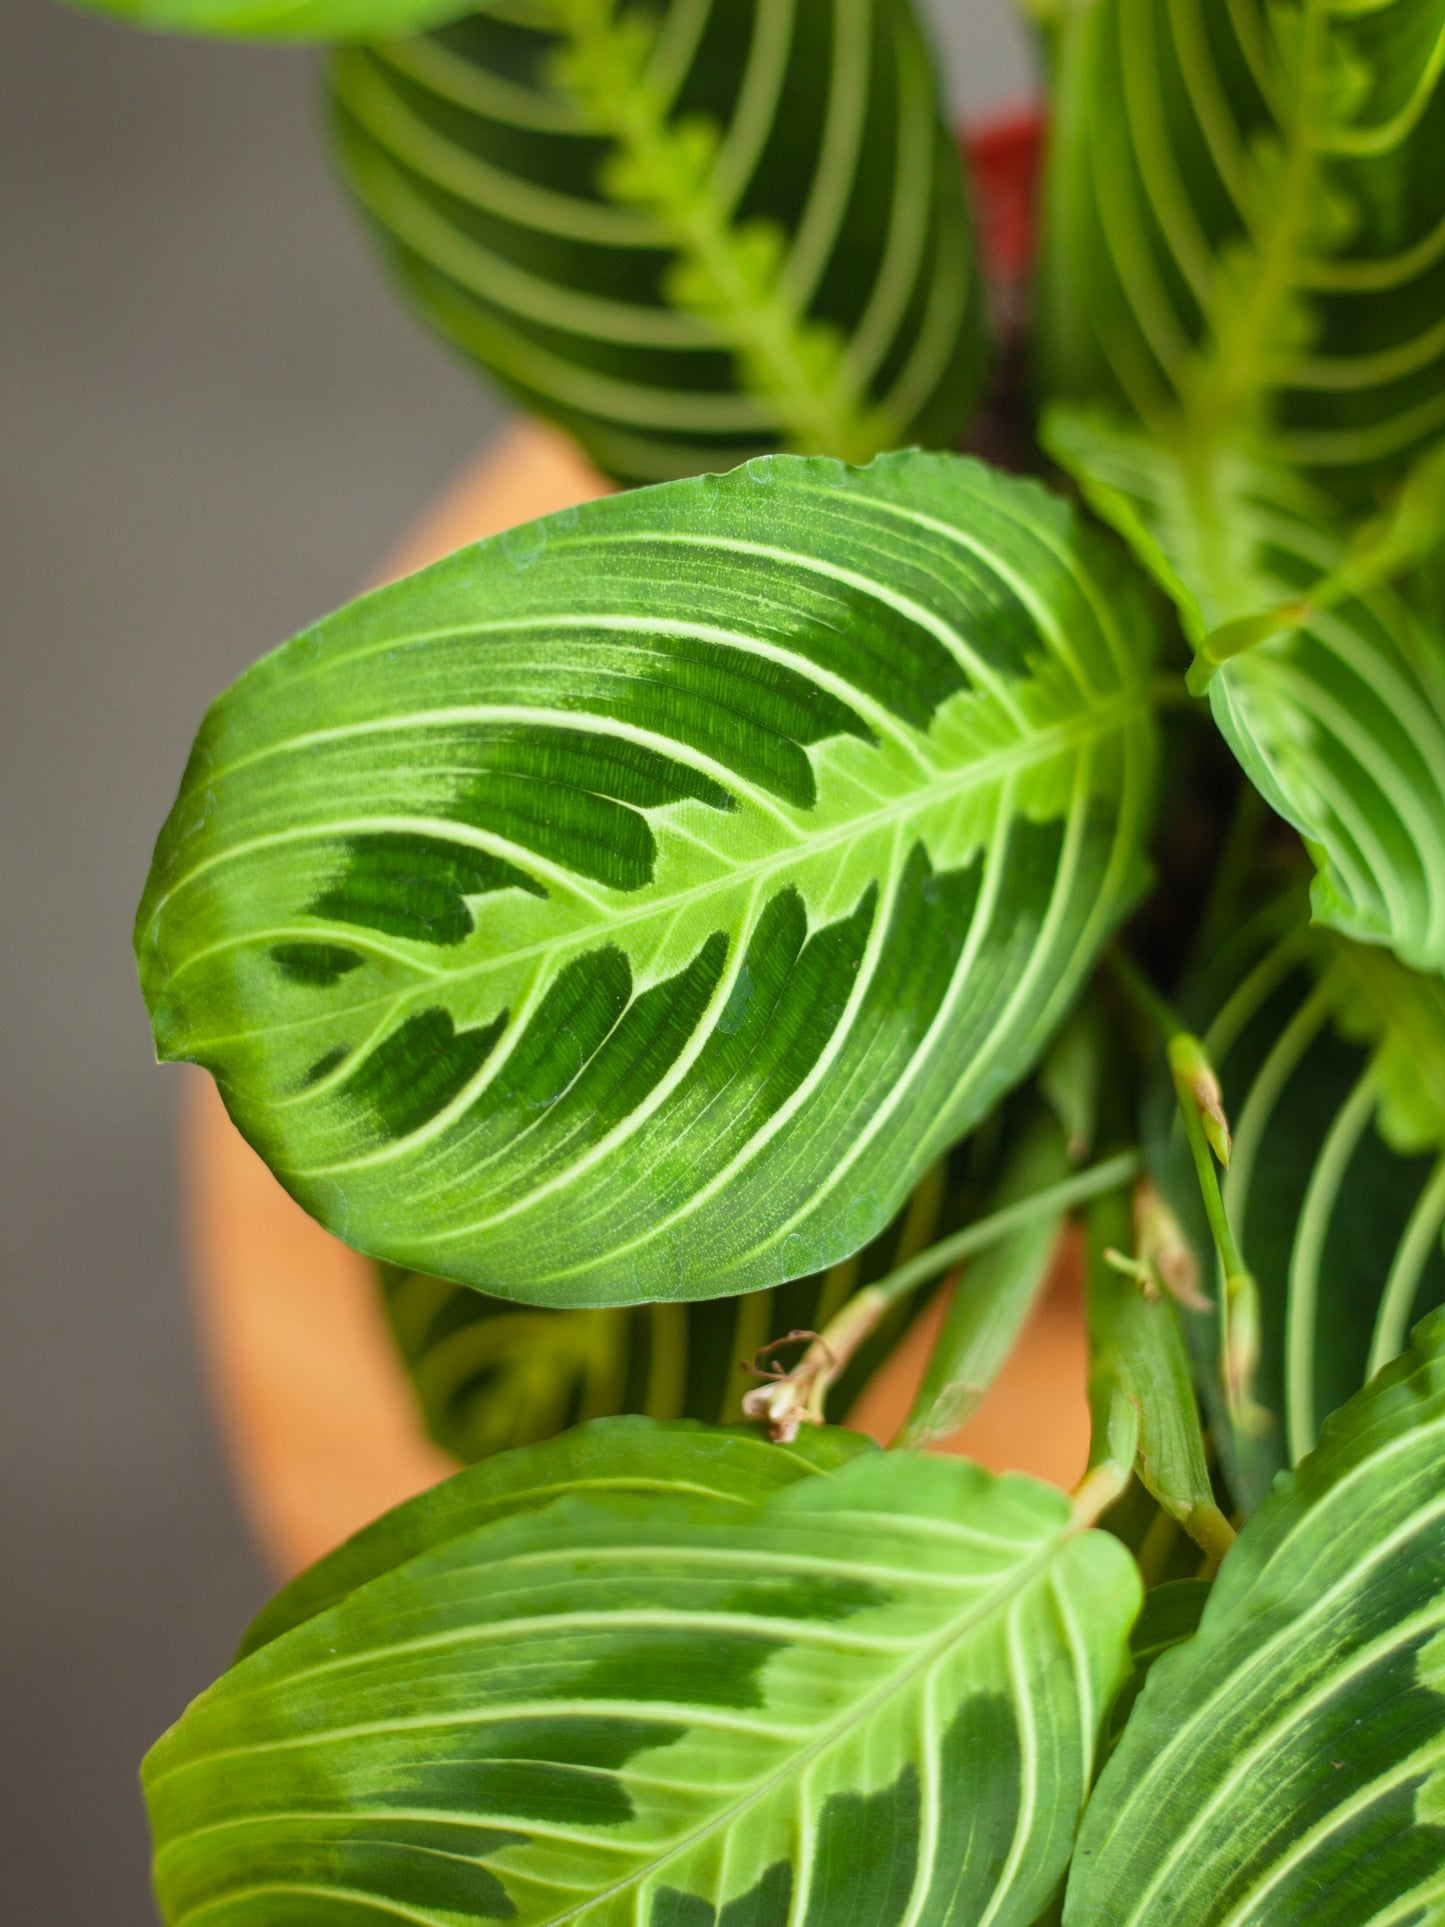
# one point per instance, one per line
(317, 1414)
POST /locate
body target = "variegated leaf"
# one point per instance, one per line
(1245, 233)
(1335, 705)
(1332, 1059)
(872, 1699)
(1244, 284)
(633, 906)
(689, 233)
(1286, 1765)
(1170, 1615)
(611, 1455)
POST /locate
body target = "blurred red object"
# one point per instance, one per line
(1003, 155)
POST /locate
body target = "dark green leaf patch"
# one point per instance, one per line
(558, 1769)
(866, 1856)
(765, 1904)
(575, 797)
(317, 964)
(410, 1863)
(747, 712)
(836, 623)
(415, 886)
(329, 1061)
(418, 1070)
(678, 1666)
(829, 1596)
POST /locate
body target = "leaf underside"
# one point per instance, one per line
(872, 1698)
(1287, 1763)
(687, 237)
(633, 906)
(1332, 1061)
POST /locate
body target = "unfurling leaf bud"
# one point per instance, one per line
(1196, 1082)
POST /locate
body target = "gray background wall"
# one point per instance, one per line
(212, 420)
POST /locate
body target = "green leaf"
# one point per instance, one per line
(633, 906)
(1243, 285)
(1286, 1764)
(1335, 701)
(1170, 1615)
(1245, 230)
(872, 1697)
(690, 234)
(1141, 1400)
(1331, 1057)
(282, 19)
(630, 1454)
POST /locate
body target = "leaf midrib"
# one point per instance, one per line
(856, 1715)
(1029, 752)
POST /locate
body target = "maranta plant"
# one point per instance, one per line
(700, 920)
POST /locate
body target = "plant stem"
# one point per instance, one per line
(1207, 1131)
(786, 1403)
(1109, 1175)
(1172, 692)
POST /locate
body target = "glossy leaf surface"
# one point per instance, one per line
(688, 234)
(1332, 1061)
(1285, 1764)
(633, 906)
(871, 1698)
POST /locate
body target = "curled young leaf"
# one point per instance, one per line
(995, 1292)
(688, 233)
(871, 1697)
(633, 906)
(1286, 1763)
